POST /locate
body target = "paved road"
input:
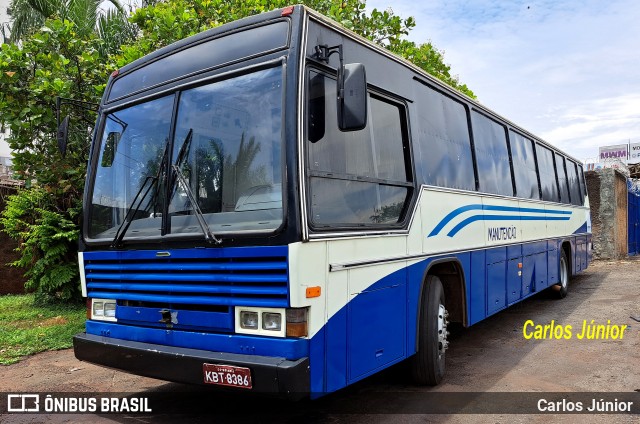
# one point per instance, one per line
(492, 356)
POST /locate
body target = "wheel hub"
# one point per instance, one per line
(563, 273)
(443, 321)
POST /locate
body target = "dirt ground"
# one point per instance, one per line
(491, 356)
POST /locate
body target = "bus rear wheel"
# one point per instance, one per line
(428, 364)
(562, 288)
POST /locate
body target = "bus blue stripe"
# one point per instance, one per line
(475, 218)
(450, 216)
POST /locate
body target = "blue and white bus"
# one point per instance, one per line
(279, 205)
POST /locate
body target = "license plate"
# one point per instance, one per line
(227, 375)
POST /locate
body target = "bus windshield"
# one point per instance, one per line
(226, 145)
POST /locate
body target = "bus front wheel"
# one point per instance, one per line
(428, 364)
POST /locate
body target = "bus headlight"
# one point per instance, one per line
(271, 321)
(98, 308)
(102, 309)
(110, 309)
(249, 320)
(274, 322)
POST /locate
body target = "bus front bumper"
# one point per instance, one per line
(268, 374)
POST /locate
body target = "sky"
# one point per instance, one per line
(567, 71)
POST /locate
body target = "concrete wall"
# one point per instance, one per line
(608, 199)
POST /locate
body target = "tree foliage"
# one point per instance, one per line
(46, 237)
(71, 56)
(45, 216)
(112, 25)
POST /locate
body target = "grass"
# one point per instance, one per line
(26, 329)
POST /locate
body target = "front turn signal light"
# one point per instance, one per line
(297, 322)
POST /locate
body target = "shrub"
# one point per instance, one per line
(48, 241)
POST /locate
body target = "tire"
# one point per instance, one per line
(562, 288)
(428, 364)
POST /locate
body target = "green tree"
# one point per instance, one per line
(112, 25)
(45, 216)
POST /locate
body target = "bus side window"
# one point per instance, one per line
(524, 166)
(445, 144)
(562, 178)
(574, 183)
(492, 155)
(583, 185)
(547, 174)
(357, 178)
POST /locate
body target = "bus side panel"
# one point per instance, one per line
(366, 335)
(514, 280)
(496, 287)
(477, 297)
(576, 265)
(317, 362)
(580, 257)
(553, 262)
(496, 279)
(572, 255)
(377, 322)
(465, 262)
(534, 267)
(336, 331)
(528, 280)
(415, 277)
(514, 273)
(336, 351)
(583, 255)
(541, 271)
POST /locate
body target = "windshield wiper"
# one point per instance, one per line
(131, 211)
(208, 235)
(161, 171)
(177, 175)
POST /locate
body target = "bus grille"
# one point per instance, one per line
(196, 279)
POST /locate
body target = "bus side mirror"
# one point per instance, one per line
(63, 136)
(352, 97)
